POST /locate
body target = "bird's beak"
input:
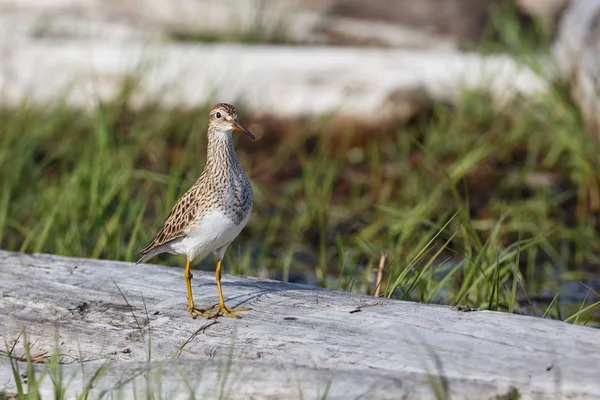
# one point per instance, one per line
(238, 127)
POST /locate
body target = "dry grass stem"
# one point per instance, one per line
(382, 261)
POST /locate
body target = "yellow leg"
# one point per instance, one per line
(221, 308)
(188, 284)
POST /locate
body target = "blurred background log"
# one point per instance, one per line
(39, 38)
(280, 81)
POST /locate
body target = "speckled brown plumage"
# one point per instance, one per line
(223, 185)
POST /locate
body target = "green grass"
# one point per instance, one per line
(473, 205)
(509, 32)
(496, 209)
(31, 373)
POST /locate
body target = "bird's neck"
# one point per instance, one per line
(220, 152)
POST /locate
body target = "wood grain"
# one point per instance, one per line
(296, 341)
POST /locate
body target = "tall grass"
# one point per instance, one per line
(497, 208)
(473, 205)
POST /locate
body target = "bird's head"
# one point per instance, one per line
(223, 120)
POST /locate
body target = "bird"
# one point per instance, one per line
(213, 212)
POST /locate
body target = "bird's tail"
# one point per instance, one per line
(145, 256)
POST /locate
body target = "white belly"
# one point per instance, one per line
(214, 233)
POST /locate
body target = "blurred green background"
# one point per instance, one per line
(465, 203)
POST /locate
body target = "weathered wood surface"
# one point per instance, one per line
(296, 341)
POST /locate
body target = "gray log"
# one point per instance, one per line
(293, 21)
(81, 52)
(296, 341)
(273, 80)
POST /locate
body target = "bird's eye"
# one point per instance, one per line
(218, 115)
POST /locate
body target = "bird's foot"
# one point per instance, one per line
(218, 309)
(194, 312)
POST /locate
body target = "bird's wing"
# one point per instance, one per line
(178, 220)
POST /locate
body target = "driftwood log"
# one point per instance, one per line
(296, 341)
(284, 81)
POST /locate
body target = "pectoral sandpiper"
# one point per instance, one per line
(213, 212)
